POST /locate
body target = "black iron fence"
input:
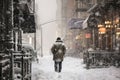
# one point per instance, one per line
(94, 59)
(4, 66)
(22, 66)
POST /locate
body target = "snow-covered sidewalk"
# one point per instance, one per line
(72, 69)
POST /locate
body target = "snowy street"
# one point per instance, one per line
(72, 69)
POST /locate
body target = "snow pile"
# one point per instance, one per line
(73, 69)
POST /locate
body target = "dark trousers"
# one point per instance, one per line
(58, 66)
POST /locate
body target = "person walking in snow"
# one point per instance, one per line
(58, 50)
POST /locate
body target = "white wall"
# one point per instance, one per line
(45, 12)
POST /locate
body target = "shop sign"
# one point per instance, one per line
(87, 35)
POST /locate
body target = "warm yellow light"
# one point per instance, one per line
(116, 21)
(108, 26)
(107, 22)
(102, 30)
(115, 26)
(100, 25)
(77, 37)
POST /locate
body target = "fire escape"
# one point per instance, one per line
(82, 6)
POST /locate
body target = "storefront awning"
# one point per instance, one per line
(76, 23)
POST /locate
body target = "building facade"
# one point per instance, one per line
(70, 10)
(16, 18)
(104, 19)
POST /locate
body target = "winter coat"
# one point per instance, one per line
(58, 51)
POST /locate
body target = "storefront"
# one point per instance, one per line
(105, 20)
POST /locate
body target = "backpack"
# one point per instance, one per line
(58, 49)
